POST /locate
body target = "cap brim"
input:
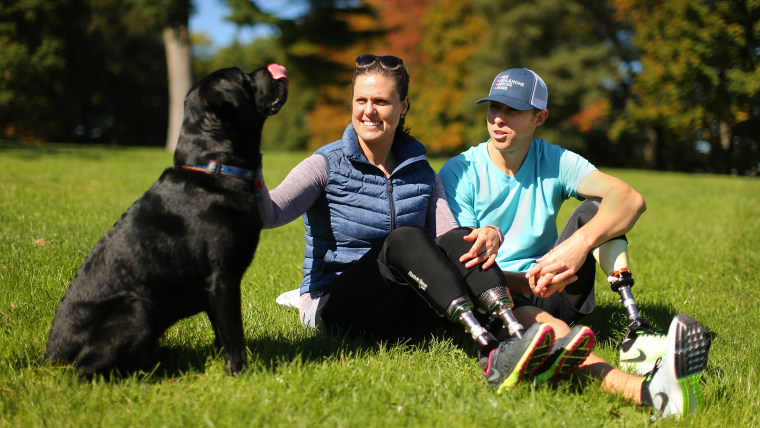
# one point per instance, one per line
(511, 102)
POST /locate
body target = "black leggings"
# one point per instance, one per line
(558, 304)
(404, 284)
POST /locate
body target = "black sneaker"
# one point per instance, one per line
(567, 354)
(516, 358)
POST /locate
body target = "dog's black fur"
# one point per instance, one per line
(183, 247)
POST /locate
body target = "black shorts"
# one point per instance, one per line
(558, 304)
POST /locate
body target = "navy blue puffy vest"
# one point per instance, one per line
(360, 205)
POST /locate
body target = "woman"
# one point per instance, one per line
(383, 251)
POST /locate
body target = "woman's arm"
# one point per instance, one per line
(298, 191)
(439, 217)
(486, 240)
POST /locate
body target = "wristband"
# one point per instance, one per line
(498, 230)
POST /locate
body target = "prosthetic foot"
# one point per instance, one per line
(612, 257)
(642, 346)
(499, 303)
(520, 355)
(621, 282)
(460, 310)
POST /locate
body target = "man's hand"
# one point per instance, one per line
(557, 269)
(484, 249)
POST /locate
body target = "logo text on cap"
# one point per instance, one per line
(505, 83)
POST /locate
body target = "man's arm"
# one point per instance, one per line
(620, 209)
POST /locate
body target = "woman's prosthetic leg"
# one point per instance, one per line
(460, 310)
(410, 256)
(493, 300)
(499, 303)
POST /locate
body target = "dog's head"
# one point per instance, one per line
(225, 112)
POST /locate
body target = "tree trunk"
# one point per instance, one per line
(651, 147)
(725, 146)
(177, 44)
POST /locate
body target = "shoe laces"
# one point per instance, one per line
(650, 374)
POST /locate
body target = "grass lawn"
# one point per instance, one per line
(694, 251)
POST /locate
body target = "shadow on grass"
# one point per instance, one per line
(266, 353)
(270, 352)
(608, 321)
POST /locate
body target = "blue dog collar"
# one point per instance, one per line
(217, 168)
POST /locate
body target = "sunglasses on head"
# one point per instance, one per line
(388, 62)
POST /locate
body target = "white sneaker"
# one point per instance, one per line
(641, 349)
(673, 386)
(290, 298)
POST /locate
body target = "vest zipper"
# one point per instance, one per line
(390, 199)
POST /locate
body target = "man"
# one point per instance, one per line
(518, 183)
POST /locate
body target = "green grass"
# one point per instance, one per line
(693, 251)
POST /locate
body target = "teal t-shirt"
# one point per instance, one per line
(525, 206)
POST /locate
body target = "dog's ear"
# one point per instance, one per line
(227, 90)
(223, 101)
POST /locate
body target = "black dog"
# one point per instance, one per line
(183, 247)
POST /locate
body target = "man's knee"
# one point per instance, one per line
(585, 211)
(528, 315)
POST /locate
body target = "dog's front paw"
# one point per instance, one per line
(234, 365)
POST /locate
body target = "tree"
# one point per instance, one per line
(325, 42)
(700, 76)
(28, 55)
(452, 34)
(79, 70)
(177, 44)
(401, 24)
(172, 16)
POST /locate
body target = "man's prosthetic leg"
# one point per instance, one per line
(642, 345)
(612, 257)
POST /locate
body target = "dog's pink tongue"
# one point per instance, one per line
(277, 71)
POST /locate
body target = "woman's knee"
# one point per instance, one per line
(455, 238)
(410, 234)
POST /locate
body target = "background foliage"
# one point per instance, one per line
(665, 85)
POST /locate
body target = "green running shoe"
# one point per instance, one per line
(641, 349)
(516, 358)
(672, 388)
(567, 354)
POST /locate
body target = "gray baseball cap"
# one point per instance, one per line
(519, 88)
